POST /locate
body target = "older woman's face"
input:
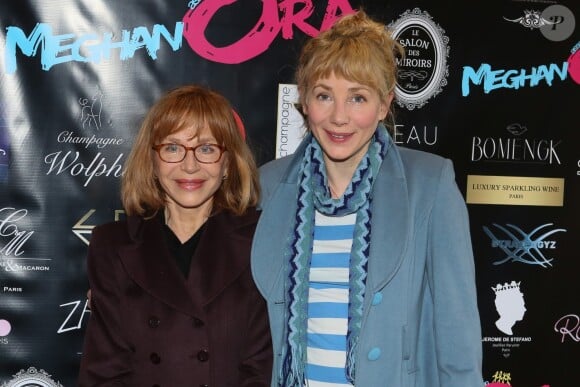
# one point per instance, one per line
(190, 184)
(343, 116)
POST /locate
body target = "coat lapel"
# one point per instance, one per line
(390, 221)
(271, 241)
(220, 258)
(276, 224)
(222, 255)
(148, 262)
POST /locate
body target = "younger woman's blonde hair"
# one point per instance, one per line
(355, 48)
(189, 107)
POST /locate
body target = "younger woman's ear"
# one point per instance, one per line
(386, 106)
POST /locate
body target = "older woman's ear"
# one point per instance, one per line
(89, 298)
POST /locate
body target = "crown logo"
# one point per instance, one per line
(506, 287)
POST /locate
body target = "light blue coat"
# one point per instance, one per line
(421, 324)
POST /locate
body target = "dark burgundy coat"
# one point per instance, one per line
(149, 326)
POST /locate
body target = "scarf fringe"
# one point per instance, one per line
(292, 370)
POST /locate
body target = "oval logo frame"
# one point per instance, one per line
(424, 70)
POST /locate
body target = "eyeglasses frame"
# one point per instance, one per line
(157, 148)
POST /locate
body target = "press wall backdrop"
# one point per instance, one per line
(494, 86)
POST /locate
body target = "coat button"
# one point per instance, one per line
(374, 354)
(377, 298)
(132, 290)
(197, 322)
(154, 322)
(203, 355)
(155, 359)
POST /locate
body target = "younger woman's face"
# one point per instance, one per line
(343, 116)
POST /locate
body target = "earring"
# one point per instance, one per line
(224, 177)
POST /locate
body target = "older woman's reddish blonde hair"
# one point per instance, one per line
(189, 107)
(355, 48)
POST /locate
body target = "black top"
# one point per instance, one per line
(182, 252)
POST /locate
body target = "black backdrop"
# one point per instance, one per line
(491, 85)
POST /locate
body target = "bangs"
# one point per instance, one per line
(348, 59)
(200, 115)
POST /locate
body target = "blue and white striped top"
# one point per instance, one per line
(328, 301)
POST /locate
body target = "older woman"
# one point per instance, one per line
(173, 302)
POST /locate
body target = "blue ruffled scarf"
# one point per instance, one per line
(314, 195)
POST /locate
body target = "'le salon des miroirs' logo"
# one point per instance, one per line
(423, 71)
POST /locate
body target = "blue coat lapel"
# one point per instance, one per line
(391, 221)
